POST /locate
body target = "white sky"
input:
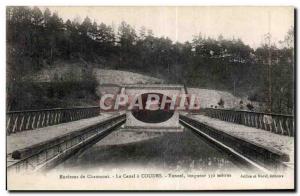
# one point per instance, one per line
(181, 23)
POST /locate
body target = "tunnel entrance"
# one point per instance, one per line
(160, 118)
(153, 116)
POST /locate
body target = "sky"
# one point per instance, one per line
(250, 24)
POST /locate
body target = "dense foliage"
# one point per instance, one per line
(37, 39)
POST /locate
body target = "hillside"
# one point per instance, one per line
(66, 71)
(208, 97)
(60, 71)
(107, 76)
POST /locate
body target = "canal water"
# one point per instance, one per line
(172, 151)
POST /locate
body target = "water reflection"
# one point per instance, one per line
(172, 151)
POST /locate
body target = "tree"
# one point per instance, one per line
(142, 34)
(47, 16)
(86, 26)
(37, 16)
(126, 41)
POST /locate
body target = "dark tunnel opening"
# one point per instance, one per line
(153, 116)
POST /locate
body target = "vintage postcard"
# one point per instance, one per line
(150, 98)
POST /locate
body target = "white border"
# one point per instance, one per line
(156, 2)
(4, 3)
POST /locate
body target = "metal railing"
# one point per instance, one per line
(275, 123)
(17, 121)
(44, 157)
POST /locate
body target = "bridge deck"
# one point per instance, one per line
(284, 144)
(28, 138)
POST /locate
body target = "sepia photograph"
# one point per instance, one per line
(150, 98)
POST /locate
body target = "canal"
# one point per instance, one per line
(169, 151)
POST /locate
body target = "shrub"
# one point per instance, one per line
(250, 106)
(221, 103)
